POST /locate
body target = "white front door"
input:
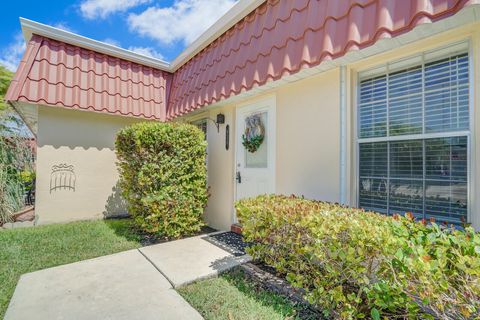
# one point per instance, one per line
(255, 169)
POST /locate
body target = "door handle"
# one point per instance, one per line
(239, 177)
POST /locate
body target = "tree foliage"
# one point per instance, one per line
(5, 78)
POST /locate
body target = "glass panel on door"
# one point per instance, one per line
(255, 126)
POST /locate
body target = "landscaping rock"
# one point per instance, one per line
(229, 241)
(23, 224)
(19, 224)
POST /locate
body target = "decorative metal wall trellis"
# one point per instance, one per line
(62, 177)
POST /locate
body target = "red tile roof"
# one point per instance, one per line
(278, 38)
(282, 37)
(59, 74)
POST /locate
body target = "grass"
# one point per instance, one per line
(32, 249)
(234, 297)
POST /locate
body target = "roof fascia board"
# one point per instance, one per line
(228, 20)
(29, 28)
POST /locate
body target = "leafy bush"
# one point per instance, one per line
(357, 264)
(11, 195)
(15, 155)
(163, 176)
(15, 158)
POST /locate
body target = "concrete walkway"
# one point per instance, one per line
(135, 284)
(188, 260)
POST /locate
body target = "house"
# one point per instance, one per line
(369, 103)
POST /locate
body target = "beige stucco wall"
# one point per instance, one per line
(308, 137)
(219, 211)
(307, 146)
(86, 141)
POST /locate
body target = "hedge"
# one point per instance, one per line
(357, 264)
(163, 176)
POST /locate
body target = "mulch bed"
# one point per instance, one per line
(148, 239)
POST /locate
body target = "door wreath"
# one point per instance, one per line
(254, 133)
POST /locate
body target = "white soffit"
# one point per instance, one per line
(29, 114)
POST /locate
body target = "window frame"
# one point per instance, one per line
(469, 134)
(203, 120)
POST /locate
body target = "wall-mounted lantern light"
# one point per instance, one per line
(220, 120)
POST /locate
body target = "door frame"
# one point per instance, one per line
(253, 104)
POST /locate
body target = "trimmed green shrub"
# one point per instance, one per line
(163, 176)
(357, 264)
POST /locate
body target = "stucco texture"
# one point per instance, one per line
(219, 211)
(308, 138)
(84, 141)
(307, 146)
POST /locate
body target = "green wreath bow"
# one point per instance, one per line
(252, 144)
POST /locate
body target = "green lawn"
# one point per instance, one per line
(31, 249)
(233, 297)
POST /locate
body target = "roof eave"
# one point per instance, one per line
(229, 19)
(29, 28)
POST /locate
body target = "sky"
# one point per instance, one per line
(158, 28)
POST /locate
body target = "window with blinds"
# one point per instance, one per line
(413, 135)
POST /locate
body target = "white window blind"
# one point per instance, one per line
(413, 118)
(446, 94)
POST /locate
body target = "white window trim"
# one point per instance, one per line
(470, 134)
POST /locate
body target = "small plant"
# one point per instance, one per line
(11, 195)
(27, 176)
(163, 176)
(356, 264)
